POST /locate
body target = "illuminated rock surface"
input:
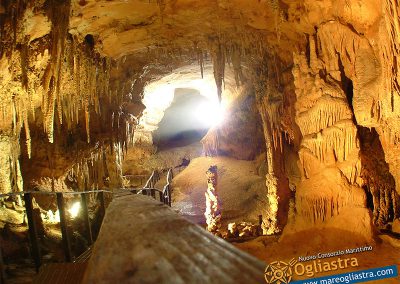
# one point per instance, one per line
(310, 92)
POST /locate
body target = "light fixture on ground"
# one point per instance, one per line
(74, 209)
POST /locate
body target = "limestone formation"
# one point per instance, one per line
(243, 229)
(213, 207)
(310, 91)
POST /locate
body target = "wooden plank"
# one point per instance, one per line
(144, 241)
(61, 273)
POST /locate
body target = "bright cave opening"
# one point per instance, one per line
(187, 120)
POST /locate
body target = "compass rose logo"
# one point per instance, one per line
(279, 272)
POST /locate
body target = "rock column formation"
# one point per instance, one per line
(213, 213)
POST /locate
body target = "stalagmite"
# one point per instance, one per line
(213, 210)
(270, 222)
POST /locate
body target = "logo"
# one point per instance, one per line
(279, 272)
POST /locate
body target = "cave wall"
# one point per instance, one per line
(345, 85)
(324, 74)
(60, 99)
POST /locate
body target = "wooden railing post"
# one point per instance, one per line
(32, 231)
(64, 229)
(86, 219)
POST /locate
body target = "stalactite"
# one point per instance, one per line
(27, 135)
(278, 17)
(218, 56)
(200, 60)
(10, 24)
(58, 13)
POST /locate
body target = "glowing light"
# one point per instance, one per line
(50, 217)
(210, 114)
(74, 209)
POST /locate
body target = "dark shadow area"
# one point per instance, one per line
(370, 198)
(181, 124)
(379, 184)
(347, 85)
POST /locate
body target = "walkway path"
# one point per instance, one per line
(143, 241)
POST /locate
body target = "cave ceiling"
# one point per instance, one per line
(124, 27)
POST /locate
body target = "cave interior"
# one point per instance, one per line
(295, 103)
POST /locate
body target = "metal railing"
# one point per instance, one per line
(153, 179)
(149, 189)
(167, 187)
(66, 242)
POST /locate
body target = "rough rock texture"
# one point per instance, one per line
(11, 216)
(156, 245)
